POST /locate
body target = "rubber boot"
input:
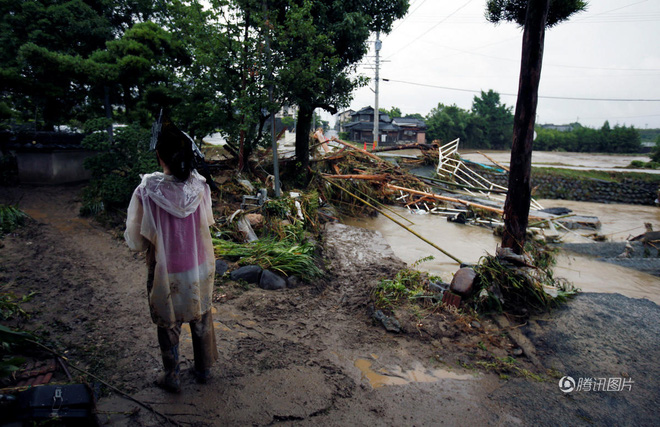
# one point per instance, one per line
(170, 380)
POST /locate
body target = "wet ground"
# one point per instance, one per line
(312, 355)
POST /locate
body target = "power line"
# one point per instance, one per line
(430, 29)
(608, 11)
(548, 64)
(407, 16)
(567, 98)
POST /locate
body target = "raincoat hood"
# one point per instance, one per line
(179, 198)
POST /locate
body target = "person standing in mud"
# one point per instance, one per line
(169, 216)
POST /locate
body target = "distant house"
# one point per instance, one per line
(410, 130)
(400, 130)
(560, 128)
(342, 119)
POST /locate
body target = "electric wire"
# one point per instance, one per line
(567, 98)
(430, 29)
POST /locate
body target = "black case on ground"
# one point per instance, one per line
(74, 404)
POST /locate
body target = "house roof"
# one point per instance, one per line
(409, 122)
(370, 126)
(365, 110)
(369, 111)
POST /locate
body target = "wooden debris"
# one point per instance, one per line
(396, 222)
(494, 162)
(380, 177)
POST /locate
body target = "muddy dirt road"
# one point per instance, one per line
(312, 355)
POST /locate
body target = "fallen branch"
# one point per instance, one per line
(380, 177)
(454, 200)
(466, 187)
(418, 145)
(446, 199)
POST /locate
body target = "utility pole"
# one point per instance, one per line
(276, 165)
(376, 112)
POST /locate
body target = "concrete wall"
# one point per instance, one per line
(52, 167)
(634, 192)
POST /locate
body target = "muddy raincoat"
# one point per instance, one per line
(172, 218)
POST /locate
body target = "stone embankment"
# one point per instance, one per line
(547, 186)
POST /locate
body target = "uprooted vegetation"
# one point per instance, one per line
(354, 182)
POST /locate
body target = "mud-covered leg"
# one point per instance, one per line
(168, 339)
(204, 346)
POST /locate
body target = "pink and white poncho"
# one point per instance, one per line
(174, 217)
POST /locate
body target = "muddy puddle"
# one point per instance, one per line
(380, 376)
(469, 243)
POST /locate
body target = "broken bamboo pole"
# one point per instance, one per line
(466, 187)
(534, 224)
(416, 145)
(452, 199)
(383, 206)
(494, 162)
(395, 221)
(379, 177)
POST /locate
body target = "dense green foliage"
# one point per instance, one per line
(217, 65)
(64, 62)
(620, 139)
(10, 218)
(515, 10)
(116, 169)
(650, 135)
(489, 124)
(655, 155)
(393, 113)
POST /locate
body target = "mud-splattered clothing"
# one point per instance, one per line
(173, 217)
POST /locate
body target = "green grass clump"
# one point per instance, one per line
(285, 256)
(10, 218)
(508, 365)
(504, 287)
(408, 285)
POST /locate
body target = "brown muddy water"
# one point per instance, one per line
(469, 243)
(384, 376)
(577, 161)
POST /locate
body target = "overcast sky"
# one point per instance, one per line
(611, 51)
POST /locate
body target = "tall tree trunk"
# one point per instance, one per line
(516, 207)
(241, 148)
(303, 127)
(108, 112)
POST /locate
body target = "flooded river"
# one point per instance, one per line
(469, 243)
(577, 161)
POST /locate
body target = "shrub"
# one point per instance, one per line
(117, 167)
